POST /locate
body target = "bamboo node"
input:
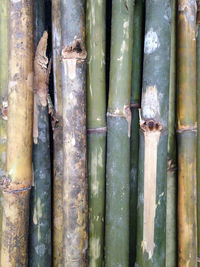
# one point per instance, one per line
(97, 130)
(198, 259)
(76, 51)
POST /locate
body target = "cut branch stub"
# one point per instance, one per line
(76, 51)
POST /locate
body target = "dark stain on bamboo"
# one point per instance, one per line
(74, 142)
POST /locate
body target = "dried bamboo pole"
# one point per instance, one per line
(138, 40)
(151, 236)
(171, 170)
(58, 137)
(40, 214)
(4, 9)
(118, 140)
(96, 123)
(17, 183)
(73, 77)
(198, 130)
(186, 131)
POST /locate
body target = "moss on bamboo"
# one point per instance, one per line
(17, 182)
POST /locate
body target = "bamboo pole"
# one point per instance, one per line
(4, 9)
(58, 137)
(198, 131)
(151, 236)
(96, 123)
(171, 170)
(135, 105)
(73, 77)
(186, 131)
(118, 140)
(17, 183)
(40, 213)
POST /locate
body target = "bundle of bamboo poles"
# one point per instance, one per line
(99, 133)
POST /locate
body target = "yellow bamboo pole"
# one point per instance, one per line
(17, 183)
(187, 134)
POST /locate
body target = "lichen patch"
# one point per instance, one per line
(151, 42)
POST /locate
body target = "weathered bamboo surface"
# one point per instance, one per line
(58, 139)
(16, 183)
(187, 136)
(73, 77)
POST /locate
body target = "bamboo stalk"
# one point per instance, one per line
(135, 105)
(58, 137)
(40, 213)
(17, 183)
(171, 170)
(118, 140)
(198, 131)
(151, 236)
(73, 77)
(96, 123)
(4, 9)
(186, 131)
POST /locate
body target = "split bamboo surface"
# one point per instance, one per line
(96, 127)
(151, 235)
(17, 182)
(187, 135)
(73, 78)
(57, 138)
(118, 139)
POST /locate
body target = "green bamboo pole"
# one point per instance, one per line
(4, 8)
(135, 105)
(40, 205)
(171, 170)
(187, 137)
(16, 184)
(58, 137)
(73, 78)
(96, 124)
(118, 140)
(151, 235)
(198, 132)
